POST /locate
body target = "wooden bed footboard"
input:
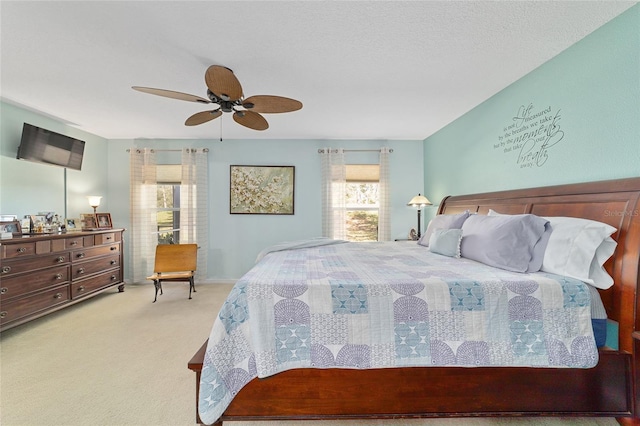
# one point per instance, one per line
(611, 388)
(419, 392)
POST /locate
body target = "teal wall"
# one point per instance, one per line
(589, 100)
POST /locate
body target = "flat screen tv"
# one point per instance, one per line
(44, 146)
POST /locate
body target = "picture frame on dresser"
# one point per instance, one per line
(88, 221)
(104, 220)
(10, 227)
(72, 224)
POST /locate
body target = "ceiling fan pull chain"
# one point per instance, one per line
(221, 130)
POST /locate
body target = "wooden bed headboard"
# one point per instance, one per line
(615, 202)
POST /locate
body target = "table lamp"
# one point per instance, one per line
(419, 201)
(94, 201)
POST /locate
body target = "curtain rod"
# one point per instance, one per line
(173, 150)
(321, 150)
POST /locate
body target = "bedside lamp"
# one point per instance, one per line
(94, 201)
(419, 201)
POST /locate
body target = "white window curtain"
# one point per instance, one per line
(334, 182)
(384, 219)
(143, 202)
(194, 217)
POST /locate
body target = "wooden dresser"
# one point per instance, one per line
(41, 274)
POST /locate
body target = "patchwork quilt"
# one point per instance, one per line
(389, 304)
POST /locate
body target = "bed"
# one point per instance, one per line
(604, 386)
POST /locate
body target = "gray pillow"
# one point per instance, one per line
(538, 250)
(443, 221)
(446, 242)
(505, 242)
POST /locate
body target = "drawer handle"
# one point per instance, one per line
(107, 238)
(22, 250)
(81, 288)
(80, 255)
(3, 314)
(3, 290)
(58, 276)
(114, 248)
(81, 270)
(113, 262)
(57, 296)
(74, 243)
(113, 278)
(60, 259)
(6, 269)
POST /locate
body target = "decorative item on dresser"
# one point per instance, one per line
(41, 274)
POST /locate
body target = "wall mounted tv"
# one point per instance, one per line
(44, 146)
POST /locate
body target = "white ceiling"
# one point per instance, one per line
(362, 69)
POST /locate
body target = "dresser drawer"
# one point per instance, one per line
(97, 282)
(74, 243)
(25, 306)
(108, 238)
(12, 251)
(18, 285)
(80, 255)
(11, 267)
(84, 269)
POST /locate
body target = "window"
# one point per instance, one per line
(362, 202)
(168, 203)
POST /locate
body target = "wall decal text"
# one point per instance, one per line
(530, 135)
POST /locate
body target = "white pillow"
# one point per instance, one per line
(597, 273)
(578, 248)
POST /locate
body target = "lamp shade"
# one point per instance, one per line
(94, 200)
(419, 201)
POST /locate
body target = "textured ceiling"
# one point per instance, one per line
(363, 70)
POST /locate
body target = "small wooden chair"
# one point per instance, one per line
(174, 262)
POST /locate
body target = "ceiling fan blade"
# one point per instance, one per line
(223, 83)
(202, 117)
(271, 104)
(171, 94)
(250, 119)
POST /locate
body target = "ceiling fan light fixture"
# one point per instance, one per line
(226, 106)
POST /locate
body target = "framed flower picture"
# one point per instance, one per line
(262, 190)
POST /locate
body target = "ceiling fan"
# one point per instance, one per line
(224, 89)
